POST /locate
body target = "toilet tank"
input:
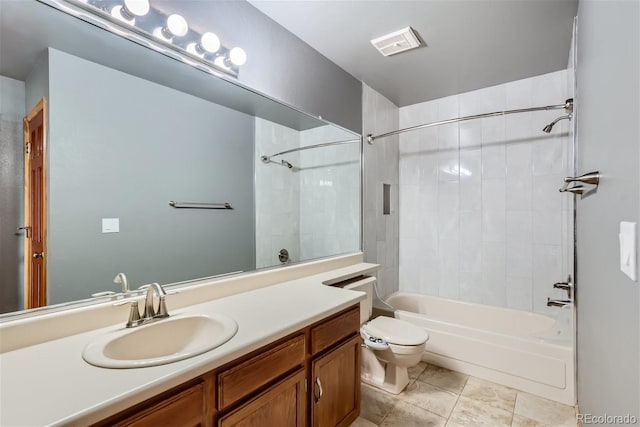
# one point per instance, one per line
(366, 305)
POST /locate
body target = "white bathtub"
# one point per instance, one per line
(523, 350)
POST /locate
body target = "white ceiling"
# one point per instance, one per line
(469, 44)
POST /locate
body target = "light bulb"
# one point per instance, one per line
(177, 25)
(209, 43)
(128, 11)
(136, 7)
(237, 56)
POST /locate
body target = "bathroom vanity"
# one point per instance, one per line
(295, 359)
(311, 377)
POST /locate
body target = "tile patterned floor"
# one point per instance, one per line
(438, 397)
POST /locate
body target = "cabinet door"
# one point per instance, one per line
(282, 405)
(336, 386)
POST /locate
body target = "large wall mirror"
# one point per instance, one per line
(126, 131)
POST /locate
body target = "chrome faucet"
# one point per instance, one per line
(121, 278)
(150, 313)
(557, 302)
(149, 310)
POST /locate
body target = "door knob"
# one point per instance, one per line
(38, 255)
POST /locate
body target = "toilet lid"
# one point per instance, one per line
(396, 331)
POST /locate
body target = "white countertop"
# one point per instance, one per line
(50, 383)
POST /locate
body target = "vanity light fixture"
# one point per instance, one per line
(235, 57)
(209, 43)
(168, 30)
(176, 26)
(129, 9)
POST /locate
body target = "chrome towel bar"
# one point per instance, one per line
(193, 205)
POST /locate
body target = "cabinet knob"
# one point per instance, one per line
(319, 384)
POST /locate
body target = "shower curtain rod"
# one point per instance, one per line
(267, 159)
(568, 106)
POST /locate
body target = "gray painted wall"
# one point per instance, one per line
(12, 110)
(279, 63)
(37, 82)
(126, 157)
(381, 160)
(608, 302)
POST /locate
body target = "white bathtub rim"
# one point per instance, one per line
(535, 338)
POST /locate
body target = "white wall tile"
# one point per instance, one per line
(547, 227)
(547, 269)
(493, 226)
(383, 238)
(449, 253)
(487, 194)
(470, 134)
(494, 274)
(519, 259)
(470, 286)
(519, 292)
(519, 226)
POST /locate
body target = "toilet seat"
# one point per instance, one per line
(395, 331)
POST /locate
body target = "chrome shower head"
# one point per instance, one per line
(547, 128)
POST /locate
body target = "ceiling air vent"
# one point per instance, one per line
(396, 42)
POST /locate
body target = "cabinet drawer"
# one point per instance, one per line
(282, 405)
(335, 330)
(243, 379)
(185, 409)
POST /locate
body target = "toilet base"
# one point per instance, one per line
(386, 376)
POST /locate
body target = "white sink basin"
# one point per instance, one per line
(164, 341)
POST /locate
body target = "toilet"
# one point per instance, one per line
(391, 346)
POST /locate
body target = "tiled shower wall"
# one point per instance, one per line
(312, 210)
(277, 195)
(380, 239)
(329, 194)
(481, 218)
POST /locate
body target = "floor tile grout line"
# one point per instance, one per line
(457, 399)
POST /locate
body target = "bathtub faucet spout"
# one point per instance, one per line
(557, 302)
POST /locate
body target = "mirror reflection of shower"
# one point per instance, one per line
(547, 128)
(268, 159)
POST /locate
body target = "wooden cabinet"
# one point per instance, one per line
(184, 408)
(268, 365)
(309, 378)
(282, 405)
(336, 386)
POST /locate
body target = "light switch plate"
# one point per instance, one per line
(628, 257)
(110, 225)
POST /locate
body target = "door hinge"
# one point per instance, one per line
(306, 387)
(27, 148)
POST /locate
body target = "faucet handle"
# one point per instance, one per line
(134, 315)
(162, 308)
(564, 286)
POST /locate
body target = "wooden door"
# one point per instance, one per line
(282, 405)
(35, 135)
(336, 386)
